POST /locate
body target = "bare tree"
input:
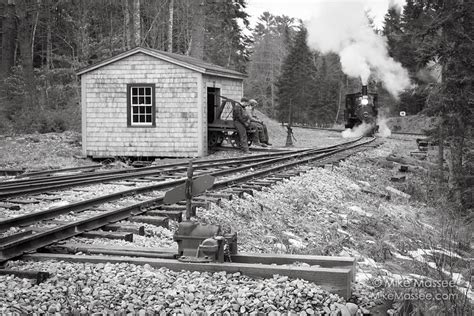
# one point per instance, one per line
(8, 37)
(170, 26)
(196, 49)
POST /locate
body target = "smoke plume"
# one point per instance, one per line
(384, 130)
(357, 131)
(364, 129)
(343, 28)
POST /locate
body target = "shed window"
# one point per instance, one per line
(141, 104)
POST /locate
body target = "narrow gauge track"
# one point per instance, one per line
(341, 130)
(17, 247)
(86, 204)
(14, 188)
(53, 171)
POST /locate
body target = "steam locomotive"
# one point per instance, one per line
(361, 107)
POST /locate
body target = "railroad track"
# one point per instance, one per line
(341, 130)
(22, 187)
(35, 232)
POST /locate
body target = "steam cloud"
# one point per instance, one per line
(356, 131)
(364, 129)
(342, 27)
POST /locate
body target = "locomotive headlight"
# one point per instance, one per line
(364, 100)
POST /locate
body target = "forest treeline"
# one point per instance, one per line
(44, 42)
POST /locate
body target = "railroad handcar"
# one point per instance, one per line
(221, 124)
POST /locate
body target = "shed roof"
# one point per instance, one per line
(177, 59)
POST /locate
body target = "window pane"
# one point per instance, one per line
(141, 103)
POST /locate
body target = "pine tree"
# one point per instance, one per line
(446, 39)
(272, 36)
(226, 44)
(296, 85)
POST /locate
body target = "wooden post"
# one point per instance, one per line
(188, 190)
(289, 134)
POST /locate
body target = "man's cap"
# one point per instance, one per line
(244, 99)
(253, 102)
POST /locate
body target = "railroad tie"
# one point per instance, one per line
(196, 203)
(39, 276)
(130, 184)
(220, 195)
(108, 235)
(240, 191)
(262, 182)
(139, 230)
(23, 201)
(174, 215)
(251, 187)
(153, 220)
(172, 207)
(10, 206)
(216, 201)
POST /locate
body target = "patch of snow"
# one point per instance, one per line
(400, 256)
(368, 262)
(359, 210)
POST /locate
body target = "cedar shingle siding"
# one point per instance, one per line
(180, 108)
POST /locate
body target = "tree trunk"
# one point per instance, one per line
(170, 26)
(135, 24)
(441, 152)
(84, 45)
(456, 176)
(198, 30)
(25, 14)
(49, 43)
(126, 24)
(8, 38)
(338, 103)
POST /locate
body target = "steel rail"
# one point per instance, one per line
(83, 205)
(157, 167)
(30, 243)
(56, 184)
(171, 165)
(17, 190)
(180, 166)
(258, 173)
(341, 130)
(51, 171)
(95, 178)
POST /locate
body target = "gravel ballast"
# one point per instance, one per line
(82, 288)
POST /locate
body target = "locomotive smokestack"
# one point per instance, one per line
(364, 90)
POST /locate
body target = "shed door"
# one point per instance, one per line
(212, 103)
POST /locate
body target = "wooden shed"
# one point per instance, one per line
(150, 103)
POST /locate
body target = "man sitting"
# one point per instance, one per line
(263, 132)
(243, 122)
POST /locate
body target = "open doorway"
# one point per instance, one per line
(213, 101)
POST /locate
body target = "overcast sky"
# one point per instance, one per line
(304, 9)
